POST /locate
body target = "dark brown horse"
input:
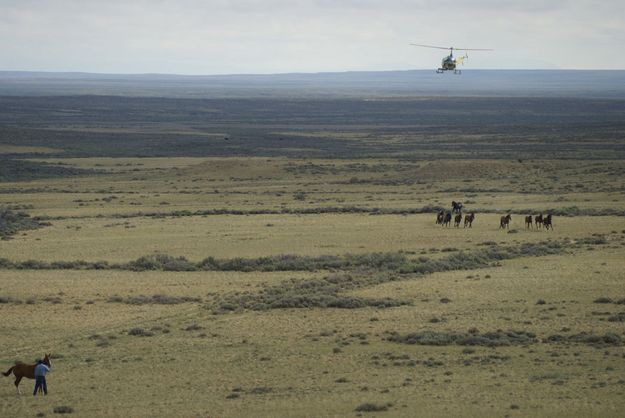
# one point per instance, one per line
(547, 223)
(447, 219)
(538, 220)
(21, 370)
(528, 221)
(468, 220)
(457, 220)
(504, 222)
(440, 217)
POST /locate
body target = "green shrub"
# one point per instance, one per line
(13, 222)
(161, 262)
(608, 339)
(619, 317)
(63, 410)
(371, 407)
(140, 332)
(487, 339)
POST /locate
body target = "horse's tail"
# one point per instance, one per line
(8, 372)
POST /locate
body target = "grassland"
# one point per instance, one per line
(294, 284)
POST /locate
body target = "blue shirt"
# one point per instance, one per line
(41, 370)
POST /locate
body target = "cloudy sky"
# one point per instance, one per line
(276, 36)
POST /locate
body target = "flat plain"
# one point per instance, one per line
(230, 258)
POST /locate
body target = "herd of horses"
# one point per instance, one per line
(443, 218)
(539, 221)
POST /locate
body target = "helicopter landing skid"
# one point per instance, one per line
(458, 72)
(439, 71)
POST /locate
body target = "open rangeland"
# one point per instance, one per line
(229, 287)
(280, 257)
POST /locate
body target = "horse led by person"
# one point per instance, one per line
(21, 370)
(504, 222)
(528, 221)
(440, 217)
(457, 220)
(468, 219)
(456, 207)
(447, 219)
(547, 223)
(538, 220)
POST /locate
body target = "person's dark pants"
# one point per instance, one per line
(40, 382)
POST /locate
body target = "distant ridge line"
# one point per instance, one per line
(609, 84)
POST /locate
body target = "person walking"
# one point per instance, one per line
(40, 377)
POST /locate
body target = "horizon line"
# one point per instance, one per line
(60, 72)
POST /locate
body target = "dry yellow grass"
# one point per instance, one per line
(314, 361)
(229, 236)
(291, 352)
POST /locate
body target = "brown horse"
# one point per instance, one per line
(21, 370)
(468, 220)
(504, 222)
(528, 221)
(547, 222)
(457, 220)
(447, 219)
(538, 220)
(439, 217)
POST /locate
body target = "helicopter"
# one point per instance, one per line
(450, 63)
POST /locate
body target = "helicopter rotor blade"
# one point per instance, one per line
(430, 46)
(473, 49)
(453, 47)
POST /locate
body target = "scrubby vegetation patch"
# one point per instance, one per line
(322, 292)
(13, 222)
(473, 337)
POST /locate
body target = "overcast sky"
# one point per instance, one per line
(277, 36)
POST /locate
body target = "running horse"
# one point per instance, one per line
(447, 219)
(456, 207)
(458, 219)
(504, 222)
(538, 220)
(528, 221)
(21, 370)
(547, 224)
(468, 219)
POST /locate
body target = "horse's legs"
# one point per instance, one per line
(18, 379)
